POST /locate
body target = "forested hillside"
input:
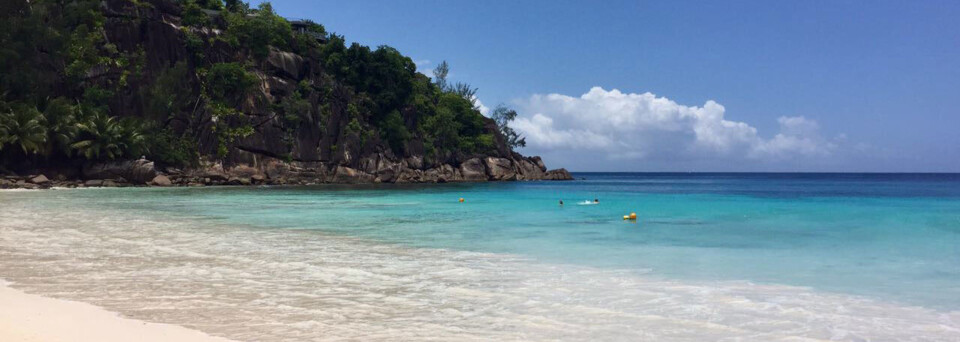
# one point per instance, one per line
(205, 88)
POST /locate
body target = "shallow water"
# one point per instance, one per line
(755, 257)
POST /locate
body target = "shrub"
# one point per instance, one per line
(168, 148)
(259, 31)
(228, 82)
(193, 15)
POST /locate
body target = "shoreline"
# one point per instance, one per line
(140, 173)
(281, 284)
(110, 183)
(143, 172)
(33, 318)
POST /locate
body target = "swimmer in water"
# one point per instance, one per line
(561, 202)
(596, 200)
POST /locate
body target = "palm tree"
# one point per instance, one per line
(132, 141)
(102, 136)
(62, 125)
(23, 126)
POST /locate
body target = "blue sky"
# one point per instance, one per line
(733, 86)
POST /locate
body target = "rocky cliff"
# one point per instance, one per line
(298, 123)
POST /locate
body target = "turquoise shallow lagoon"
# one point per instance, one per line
(840, 247)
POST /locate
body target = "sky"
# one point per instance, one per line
(821, 86)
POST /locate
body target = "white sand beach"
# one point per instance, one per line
(30, 318)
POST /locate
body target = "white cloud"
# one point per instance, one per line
(421, 63)
(483, 109)
(628, 126)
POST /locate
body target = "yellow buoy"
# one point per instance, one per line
(626, 217)
(461, 199)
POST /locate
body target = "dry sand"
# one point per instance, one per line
(28, 318)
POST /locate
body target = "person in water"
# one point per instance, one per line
(596, 200)
(561, 202)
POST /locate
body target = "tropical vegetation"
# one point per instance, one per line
(60, 79)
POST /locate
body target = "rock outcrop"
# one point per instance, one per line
(161, 180)
(374, 169)
(40, 180)
(138, 171)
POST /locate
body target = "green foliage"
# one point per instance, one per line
(440, 75)
(83, 52)
(170, 94)
(503, 116)
(228, 82)
(96, 97)
(215, 5)
(62, 125)
(306, 42)
(384, 76)
(104, 137)
(61, 82)
(354, 126)
(258, 30)
(394, 131)
(228, 125)
(193, 14)
(442, 130)
(166, 147)
(194, 45)
(236, 6)
(22, 127)
(294, 108)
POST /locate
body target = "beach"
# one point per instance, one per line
(400, 263)
(31, 318)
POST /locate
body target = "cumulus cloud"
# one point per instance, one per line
(480, 106)
(644, 126)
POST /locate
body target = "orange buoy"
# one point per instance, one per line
(633, 216)
(461, 199)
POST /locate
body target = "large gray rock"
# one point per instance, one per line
(40, 180)
(244, 171)
(558, 174)
(529, 170)
(24, 185)
(414, 162)
(442, 174)
(539, 162)
(473, 170)
(500, 168)
(348, 175)
(286, 64)
(138, 171)
(161, 180)
(411, 176)
(387, 170)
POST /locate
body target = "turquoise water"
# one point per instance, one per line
(893, 237)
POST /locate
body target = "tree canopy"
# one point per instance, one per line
(61, 78)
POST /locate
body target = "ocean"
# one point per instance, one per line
(712, 256)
